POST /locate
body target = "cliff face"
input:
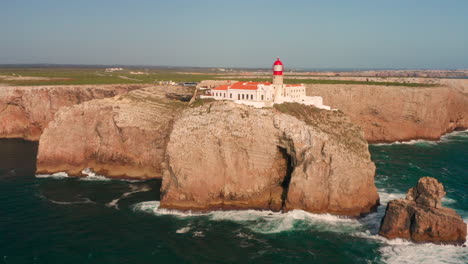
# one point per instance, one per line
(228, 156)
(124, 136)
(390, 113)
(219, 155)
(25, 111)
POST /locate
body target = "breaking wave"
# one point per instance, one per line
(83, 201)
(267, 222)
(133, 189)
(452, 136)
(90, 176)
(58, 175)
(183, 230)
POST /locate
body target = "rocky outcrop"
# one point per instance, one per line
(223, 155)
(398, 113)
(120, 137)
(26, 110)
(421, 218)
(217, 155)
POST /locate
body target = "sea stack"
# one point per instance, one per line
(420, 217)
(228, 156)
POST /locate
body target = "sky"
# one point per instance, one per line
(427, 34)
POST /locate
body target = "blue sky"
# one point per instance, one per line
(242, 33)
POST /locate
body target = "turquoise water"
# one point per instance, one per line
(56, 219)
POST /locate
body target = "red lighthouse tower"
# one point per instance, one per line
(278, 81)
(278, 72)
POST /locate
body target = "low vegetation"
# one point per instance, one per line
(334, 123)
(87, 75)
(80, 76)
(316, 81)
(201, 102)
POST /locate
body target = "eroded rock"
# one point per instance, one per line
(26, 110)
(397, 113)
(224, 155)
(421, 218)
(119, 137)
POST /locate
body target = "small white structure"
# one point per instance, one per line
(114, 69)
(166, 82)
(265, 94)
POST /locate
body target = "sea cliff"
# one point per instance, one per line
(224, 155)
(398, 113)
(217, 155)
(120, 137)
(26, 110)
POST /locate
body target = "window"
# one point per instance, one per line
(242, 96)
(262, 97)
(238, 97)
(230, 96)
(251, 97)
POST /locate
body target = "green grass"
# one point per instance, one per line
(78, 76)
(334, 123)
(315, 81)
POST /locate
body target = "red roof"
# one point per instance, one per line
(248, 86)
(242, 86)
(222, 87)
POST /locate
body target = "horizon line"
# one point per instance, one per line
(224, 67)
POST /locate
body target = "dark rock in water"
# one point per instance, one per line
(421, 218)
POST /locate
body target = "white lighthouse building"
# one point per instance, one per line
(265, 94)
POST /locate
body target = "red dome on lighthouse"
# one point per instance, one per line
(278, 67)
(278, 62)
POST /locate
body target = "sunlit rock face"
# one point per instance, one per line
(227, 156)
(26, 110)
(398, 113)
(119, 137)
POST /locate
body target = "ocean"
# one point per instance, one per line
(57, 219)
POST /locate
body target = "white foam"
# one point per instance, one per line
(402, 252)
(183, 230)
(198, 234)
(58, 175)
(90, 176)
(393, 251)
(93, 176)
(386, 197)
(134, 189)
(261, 221)
(83, 201)
(411, 142)
(447, 137)
(447, 200)
(443, 138)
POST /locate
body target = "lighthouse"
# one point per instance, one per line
(278, 72)
(278, 80)
(265, 94)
